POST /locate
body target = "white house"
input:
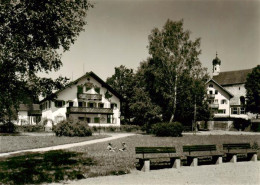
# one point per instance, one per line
(29, 114)
(88, 99)
(230, 97)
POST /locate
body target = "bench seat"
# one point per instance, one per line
(196, 152)
(232, 150)
(151, 153)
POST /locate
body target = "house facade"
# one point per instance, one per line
(29, 114)
(230, 92)
(88, 99)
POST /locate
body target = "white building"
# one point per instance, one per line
(88, 99)
(228, 89)
(29, 114)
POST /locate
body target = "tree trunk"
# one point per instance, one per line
(174, 100)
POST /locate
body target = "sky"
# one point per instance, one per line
(117, 34)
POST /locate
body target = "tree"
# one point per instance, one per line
(174, 74)
(144, 111)
(252, 86)
(123, 81)
(33, 33)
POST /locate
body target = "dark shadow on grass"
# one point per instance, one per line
(36, 168)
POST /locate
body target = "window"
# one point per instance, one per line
(210, 92)
(108, 118)
(234, 110)
(96, 120)
(113, 105)
(242, 100)
(80, 89)
(216, 91)
(71, 104)
(101, 105)
(91, 105)
(88, 120)
(81, 118)
(222, 111)
(223, 101)
(242, 110)
(210, 85)
(80, 104)
(59, 103)
(216, 101)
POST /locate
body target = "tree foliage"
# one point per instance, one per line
(32, 34)
(123, 81)
(174, 75)
(252, 86)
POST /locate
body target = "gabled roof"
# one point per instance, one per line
(232, 77)
(212, 80)
(88, 74)
(27, 107)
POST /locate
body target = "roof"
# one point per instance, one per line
(230, 94)
(92, 74)
(232, 77)
(27, 107)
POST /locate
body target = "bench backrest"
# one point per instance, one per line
(199, 148)
(236, 146)
(154, 150)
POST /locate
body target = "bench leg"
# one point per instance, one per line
(234, 159)
(219, 160)
(176, 163)
(194, 162)
(146, 166)
(252, 157)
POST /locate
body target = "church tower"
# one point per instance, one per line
(216, 65)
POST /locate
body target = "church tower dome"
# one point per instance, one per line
(216, 65)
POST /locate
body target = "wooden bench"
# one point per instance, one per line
(201, 151)
(146, 156)
(234, 149)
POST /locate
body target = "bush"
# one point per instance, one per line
(8, 127)
(71, 129)
(130, 128)
(167, 129)
(31, 128)
(255, 127)
(240, 124)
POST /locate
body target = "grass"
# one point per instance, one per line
(36, 168)
(10, 143)
(95, 160)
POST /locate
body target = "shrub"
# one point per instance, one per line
(167, 129)
(240, 124)
(71, 129)
(31, 128)
(255, 127)
(130, 128)
(8, 127)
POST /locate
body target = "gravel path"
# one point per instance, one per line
(225, 174)
(65, 146)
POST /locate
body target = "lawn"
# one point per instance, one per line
(14, 143)
(96, 160)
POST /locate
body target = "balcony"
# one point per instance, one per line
(87, 110)
(89, 96)
(214, 105)
(211, 96)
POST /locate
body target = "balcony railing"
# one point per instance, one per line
(87, 110)
(214, 105)
(211, 96)
(89, 96)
